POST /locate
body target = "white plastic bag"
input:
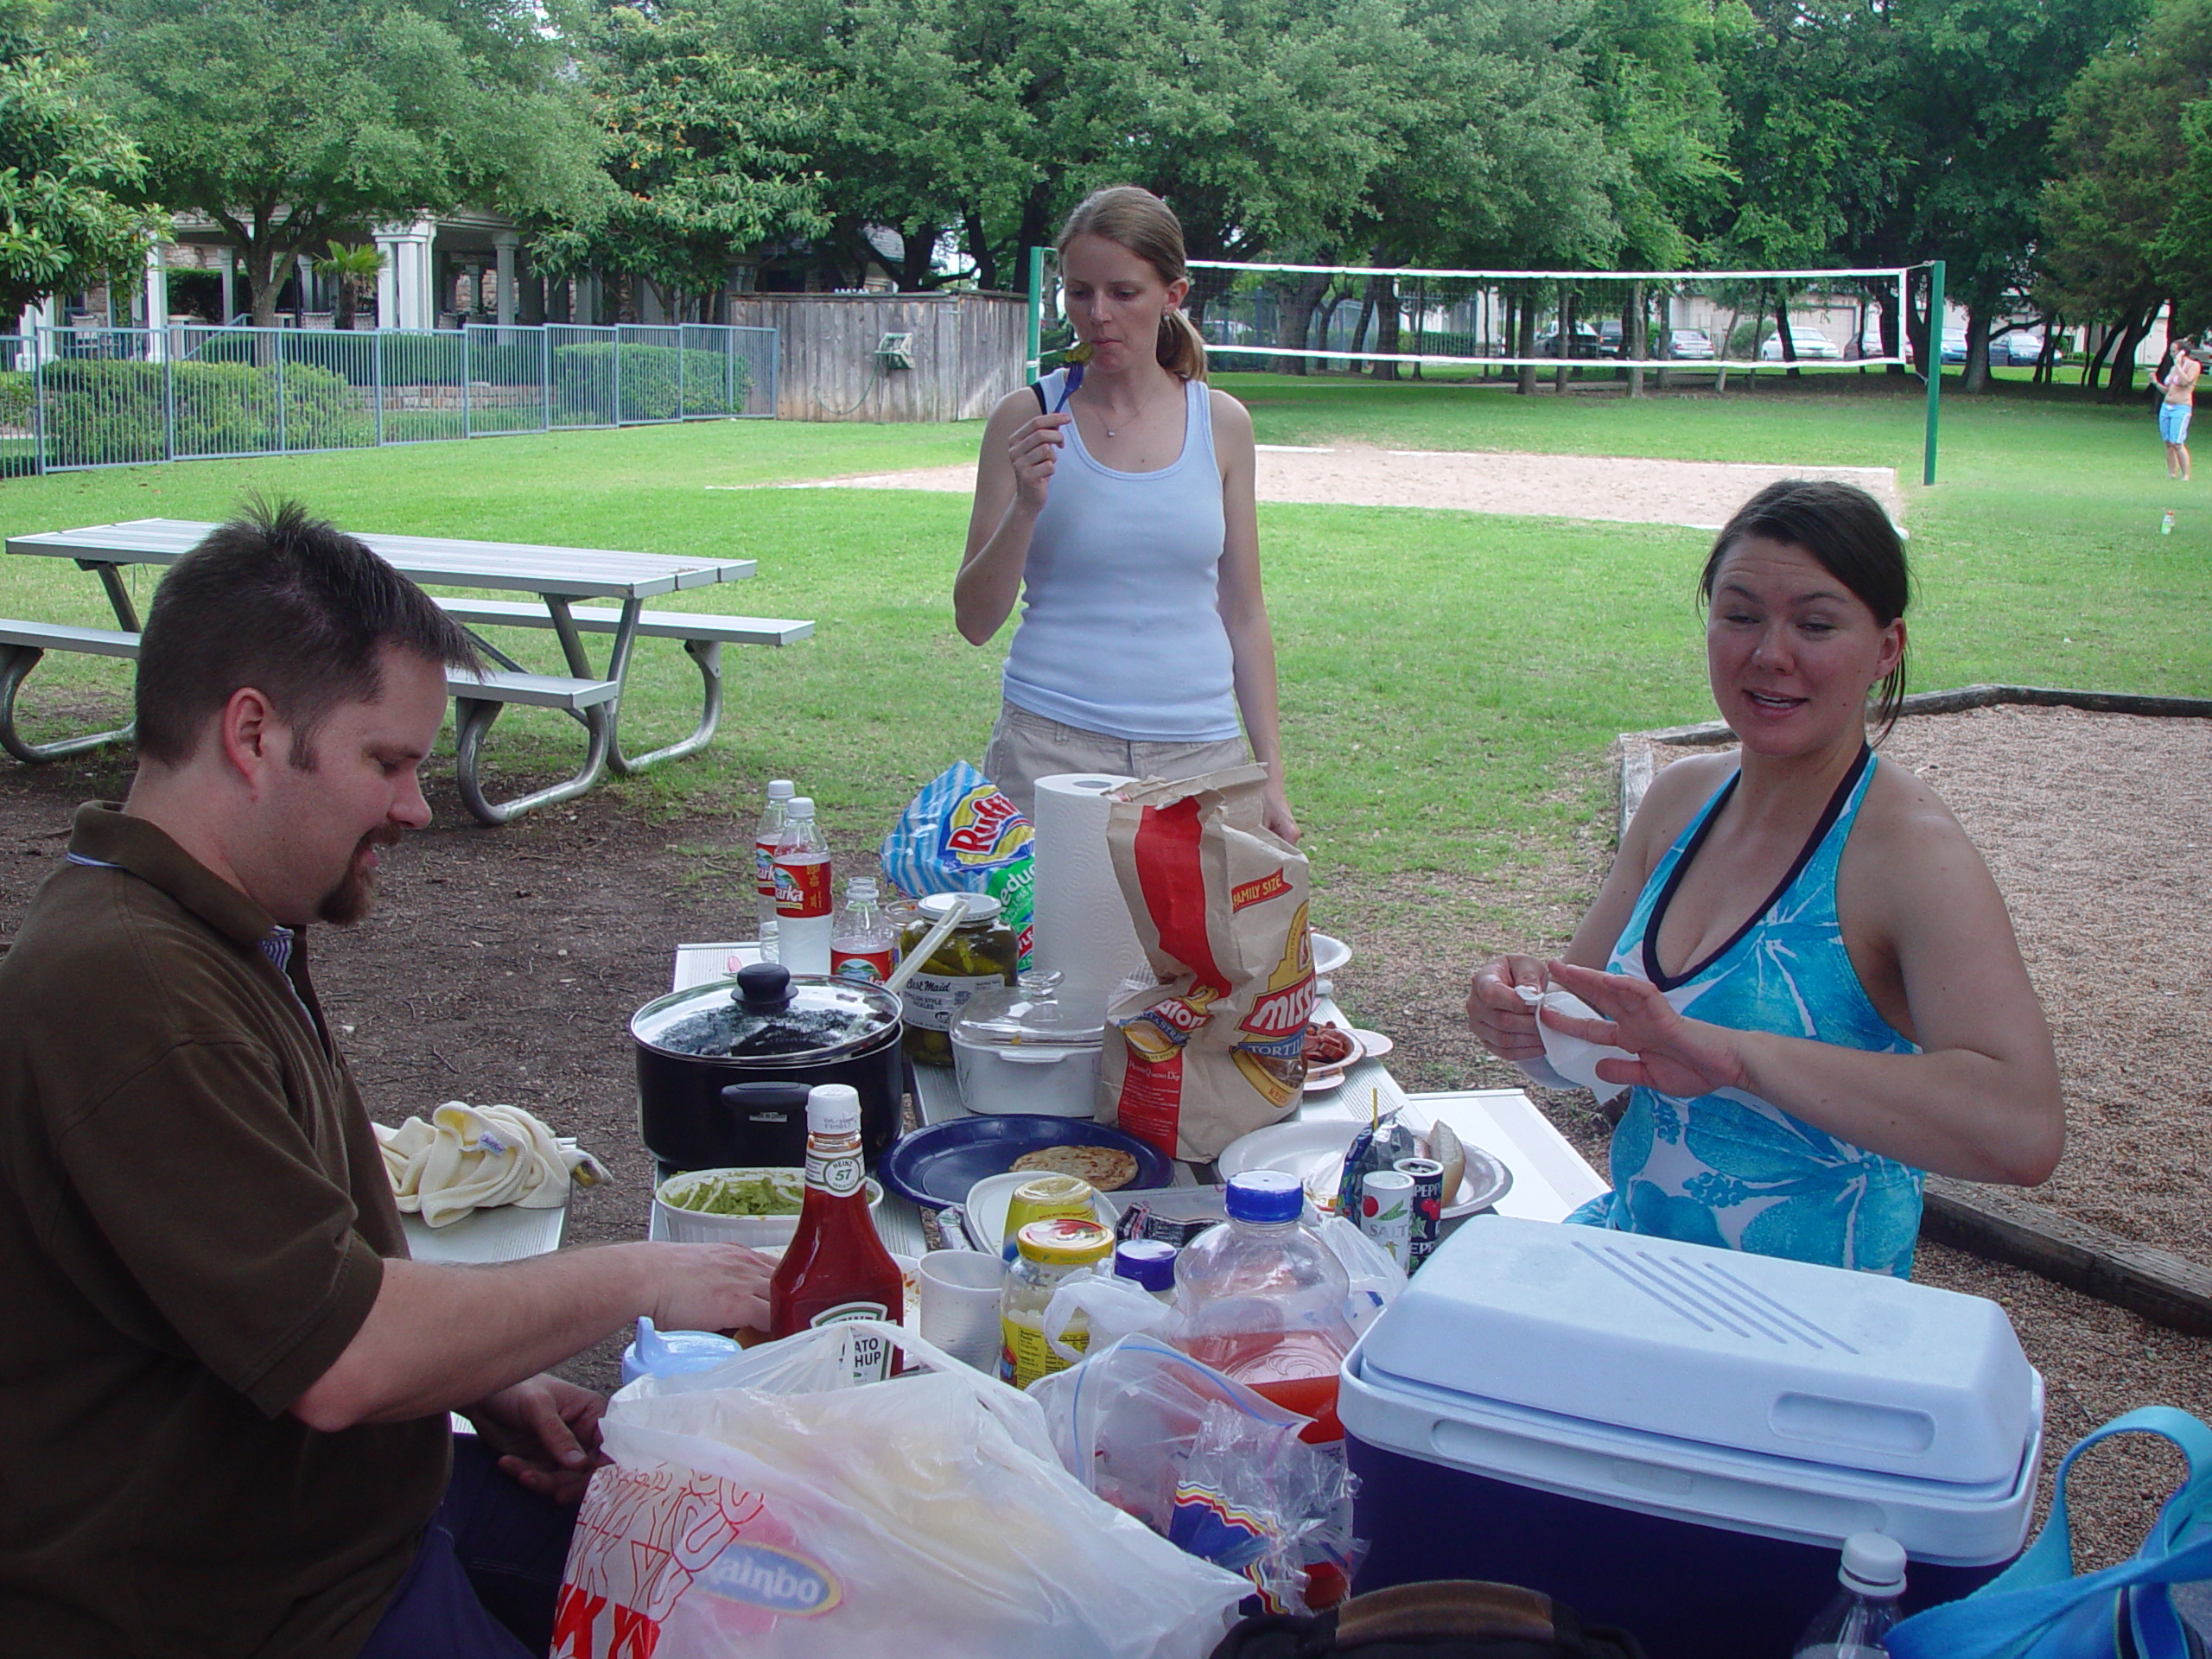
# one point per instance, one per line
(1112, 1308)
(769, 1508)
(1376, 1279)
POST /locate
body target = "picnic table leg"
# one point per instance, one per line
(16, 664)
(17, 661)
(707, 654)
(472, 718)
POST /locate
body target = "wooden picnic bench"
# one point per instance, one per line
(558, 576)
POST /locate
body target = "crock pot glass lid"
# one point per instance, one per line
(1027, 1014)
(767, 1015)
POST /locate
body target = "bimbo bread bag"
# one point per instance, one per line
(1217, 1050)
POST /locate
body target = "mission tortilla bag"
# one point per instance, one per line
(1217, 1049)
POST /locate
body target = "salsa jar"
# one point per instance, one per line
(981, 952)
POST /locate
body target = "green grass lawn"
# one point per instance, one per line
(1449, 679)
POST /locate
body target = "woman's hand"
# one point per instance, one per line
(1496, 1013)
(1675, 1056)
(1034, 452)
(1278, 814)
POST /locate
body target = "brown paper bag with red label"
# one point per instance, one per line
(1217, 1049)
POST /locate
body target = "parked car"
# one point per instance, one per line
(1811, 343)
(1608, 337)
(1689, 345)
(1955, 344)
(1586, 342)
(2021, 347)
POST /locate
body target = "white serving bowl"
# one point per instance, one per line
(697, 1227)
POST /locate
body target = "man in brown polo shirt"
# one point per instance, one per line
(225, 1387)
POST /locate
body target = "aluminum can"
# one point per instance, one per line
(1427, 1210)
(1386, 1211)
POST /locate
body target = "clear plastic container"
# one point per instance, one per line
(765, 834)
(1017, 1048)
(1262, 1299)
(1855, 1625)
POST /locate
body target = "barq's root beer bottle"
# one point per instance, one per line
(836, 1267)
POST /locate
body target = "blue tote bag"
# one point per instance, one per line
(2039, 1608)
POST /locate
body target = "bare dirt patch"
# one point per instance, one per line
(502, 965)
(1615, 489)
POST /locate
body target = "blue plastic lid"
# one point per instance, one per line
(674, 1353)
(1150, 1262)
(1265, 1195)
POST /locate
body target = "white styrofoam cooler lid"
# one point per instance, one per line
(1752, 1354)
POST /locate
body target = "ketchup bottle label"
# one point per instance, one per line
(869, 967)
(802, 889)
(871, 1354)
(840, 1177)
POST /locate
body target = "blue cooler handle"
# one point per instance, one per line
(2038, 1609)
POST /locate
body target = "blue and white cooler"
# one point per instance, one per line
(1678, 1439)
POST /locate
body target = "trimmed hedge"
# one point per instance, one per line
(104, 412)
(584, 378)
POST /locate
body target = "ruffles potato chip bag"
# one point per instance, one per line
(961, 835)
(1217, 1050)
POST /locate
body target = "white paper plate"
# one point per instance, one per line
(1329, 954)
(1306, 1148)
(990, 1198)
(1373, 1043)
(506, 1232)
(1319, 1080)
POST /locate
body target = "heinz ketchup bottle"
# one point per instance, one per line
(836, 1267)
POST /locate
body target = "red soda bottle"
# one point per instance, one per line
(836, 1267)
(863, 946)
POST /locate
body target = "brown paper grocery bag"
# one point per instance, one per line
(1217, 1049)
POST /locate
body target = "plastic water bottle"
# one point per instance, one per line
(1854, 1625)
(863, 946)
(765, 834)
(1263, 1300)
(803, 923)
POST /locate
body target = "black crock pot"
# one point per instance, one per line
(723, 1069)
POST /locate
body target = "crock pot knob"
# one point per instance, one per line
(763, 989)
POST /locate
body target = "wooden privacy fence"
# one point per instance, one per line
(966, 351)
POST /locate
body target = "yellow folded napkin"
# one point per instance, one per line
(469, 1158)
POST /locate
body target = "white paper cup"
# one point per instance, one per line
(960, 1305)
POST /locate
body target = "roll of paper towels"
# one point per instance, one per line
(1083, 931)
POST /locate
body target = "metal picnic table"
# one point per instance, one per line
(556, 576)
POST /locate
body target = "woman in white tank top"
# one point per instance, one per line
(1115, 500)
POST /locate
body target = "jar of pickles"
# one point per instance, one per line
(1050, 1251)
(981, 951)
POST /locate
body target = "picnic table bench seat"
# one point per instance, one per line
(477, 701)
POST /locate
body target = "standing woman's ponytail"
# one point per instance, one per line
(1182, 348)
(1147, 227)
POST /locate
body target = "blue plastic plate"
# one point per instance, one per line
(937, 1166)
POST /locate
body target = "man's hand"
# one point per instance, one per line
(712, 1287)
(546, 1431)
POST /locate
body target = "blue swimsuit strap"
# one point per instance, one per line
(1829, 814)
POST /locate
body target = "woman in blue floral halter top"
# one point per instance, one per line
(1810, 971)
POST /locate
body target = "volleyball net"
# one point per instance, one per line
(1305, 318)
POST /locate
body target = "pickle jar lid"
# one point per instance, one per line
(1025, 1014)
(982, 906)
(1066, 1241)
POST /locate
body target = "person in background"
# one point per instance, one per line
(1813, 974)
(2176, 384)
(1114, 499)
(226, 1385)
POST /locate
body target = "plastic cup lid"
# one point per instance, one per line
(1265, 1195)
(833, 1109)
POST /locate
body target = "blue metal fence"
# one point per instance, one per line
(80, 397)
